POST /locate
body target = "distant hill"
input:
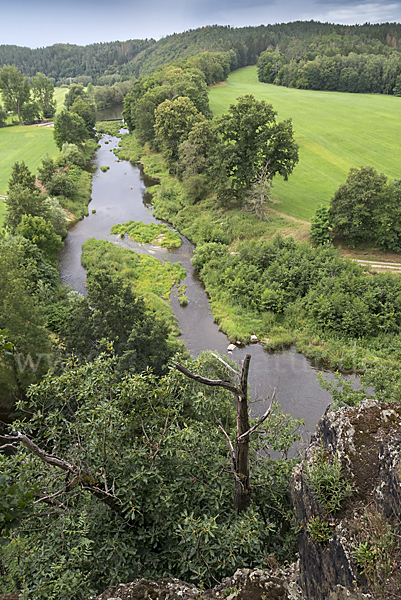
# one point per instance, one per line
(105, 63)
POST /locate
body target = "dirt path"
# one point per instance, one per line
(381, 266)
(280, 214)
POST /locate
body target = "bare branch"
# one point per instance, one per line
(13, 446)
(84, 479)
(50, 498)
(233, 462)
(244, 375)
(212, 382)
(225, 364)
(262, 418)
(44, 456)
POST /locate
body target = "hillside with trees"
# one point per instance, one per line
(107, 63)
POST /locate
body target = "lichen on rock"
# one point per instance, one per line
(367, 441)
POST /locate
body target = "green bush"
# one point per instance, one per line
(320, 227)
(328, 484)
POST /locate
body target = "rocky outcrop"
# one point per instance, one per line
(245, 584)
(367, 442)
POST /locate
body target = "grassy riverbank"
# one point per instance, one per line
(148, 276)
(329, 327)
(335, 131)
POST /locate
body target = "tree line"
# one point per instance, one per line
(343, 63)
(107, 63)
(30, 99)
(170, 111)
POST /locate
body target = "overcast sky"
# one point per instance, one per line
(37, 23)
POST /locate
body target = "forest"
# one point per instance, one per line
(115, 61)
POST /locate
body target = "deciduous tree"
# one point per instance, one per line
(15, 89)
(252, 139)
(173, 122)
(353, 206)
(69, 127)
(43, 93)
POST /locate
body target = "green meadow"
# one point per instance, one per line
(59, 95)
(28, 143)
(335, 131)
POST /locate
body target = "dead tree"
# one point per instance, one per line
(240, 454)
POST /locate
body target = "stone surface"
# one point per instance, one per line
(254, 339)
(367, 441)
(245, 584)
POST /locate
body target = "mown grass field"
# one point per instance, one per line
(59, 95)
(335, 131)
(28, 143)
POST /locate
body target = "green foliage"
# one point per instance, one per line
(3, 116)
(21, 176)
(319, 530)
(61, 184)
(69, 127)
(104, 169)
(376, 551)
(22, 316)
(145, 273)
(115, 312)
(43, 93)
(320, 227)
(173, 122)
(253, 144)
(19, 202)
(327, 482)
(41, 234)
(280, 276)
(397, 88)
(109, 127)
(86, 112)
(354, 205)
(151, 233)
(15, 504)
(15, 89)
(169, 83)
(168, 510)
(75, 92)
(72, 155)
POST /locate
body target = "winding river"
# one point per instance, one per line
(119, 195)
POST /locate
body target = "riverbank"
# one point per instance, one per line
(206, 222)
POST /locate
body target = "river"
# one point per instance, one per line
(119, 195)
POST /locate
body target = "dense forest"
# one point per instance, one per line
(106, 63)
(344, 61)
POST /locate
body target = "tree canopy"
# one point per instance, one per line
(113, 311)
(253, 143)
(15, 89)
(144, 463)
(69, 127)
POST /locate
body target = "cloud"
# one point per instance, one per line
(356, 12)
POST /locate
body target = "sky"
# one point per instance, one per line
(39, 23)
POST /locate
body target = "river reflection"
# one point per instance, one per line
(117, 196)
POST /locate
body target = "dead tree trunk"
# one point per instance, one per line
(242, 490)
(239, 454)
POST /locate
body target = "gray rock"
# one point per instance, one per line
(245, 584)
(367, 442)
